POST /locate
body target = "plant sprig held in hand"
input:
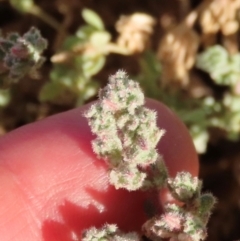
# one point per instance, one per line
(127, 136)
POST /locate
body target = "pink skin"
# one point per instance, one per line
(53, 187)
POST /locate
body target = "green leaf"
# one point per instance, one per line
(89, 91)
(22, 5)
(63, 75)
(70, 42)
(2, 55)
(92, 19)
(85, 32)
(5, 45)
(100, 38)
(13, 37)
(221, 66)
(93, 65)
(5, 97)
(150, 71)
(50, 91)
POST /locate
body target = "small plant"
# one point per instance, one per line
(224, 70)
(127, 136)
(81, 57)
(20, 56)
(222, 67)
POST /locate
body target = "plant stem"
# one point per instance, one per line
(40, 13)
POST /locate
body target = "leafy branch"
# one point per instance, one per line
(127, 136)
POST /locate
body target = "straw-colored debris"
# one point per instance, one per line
(135, 31)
